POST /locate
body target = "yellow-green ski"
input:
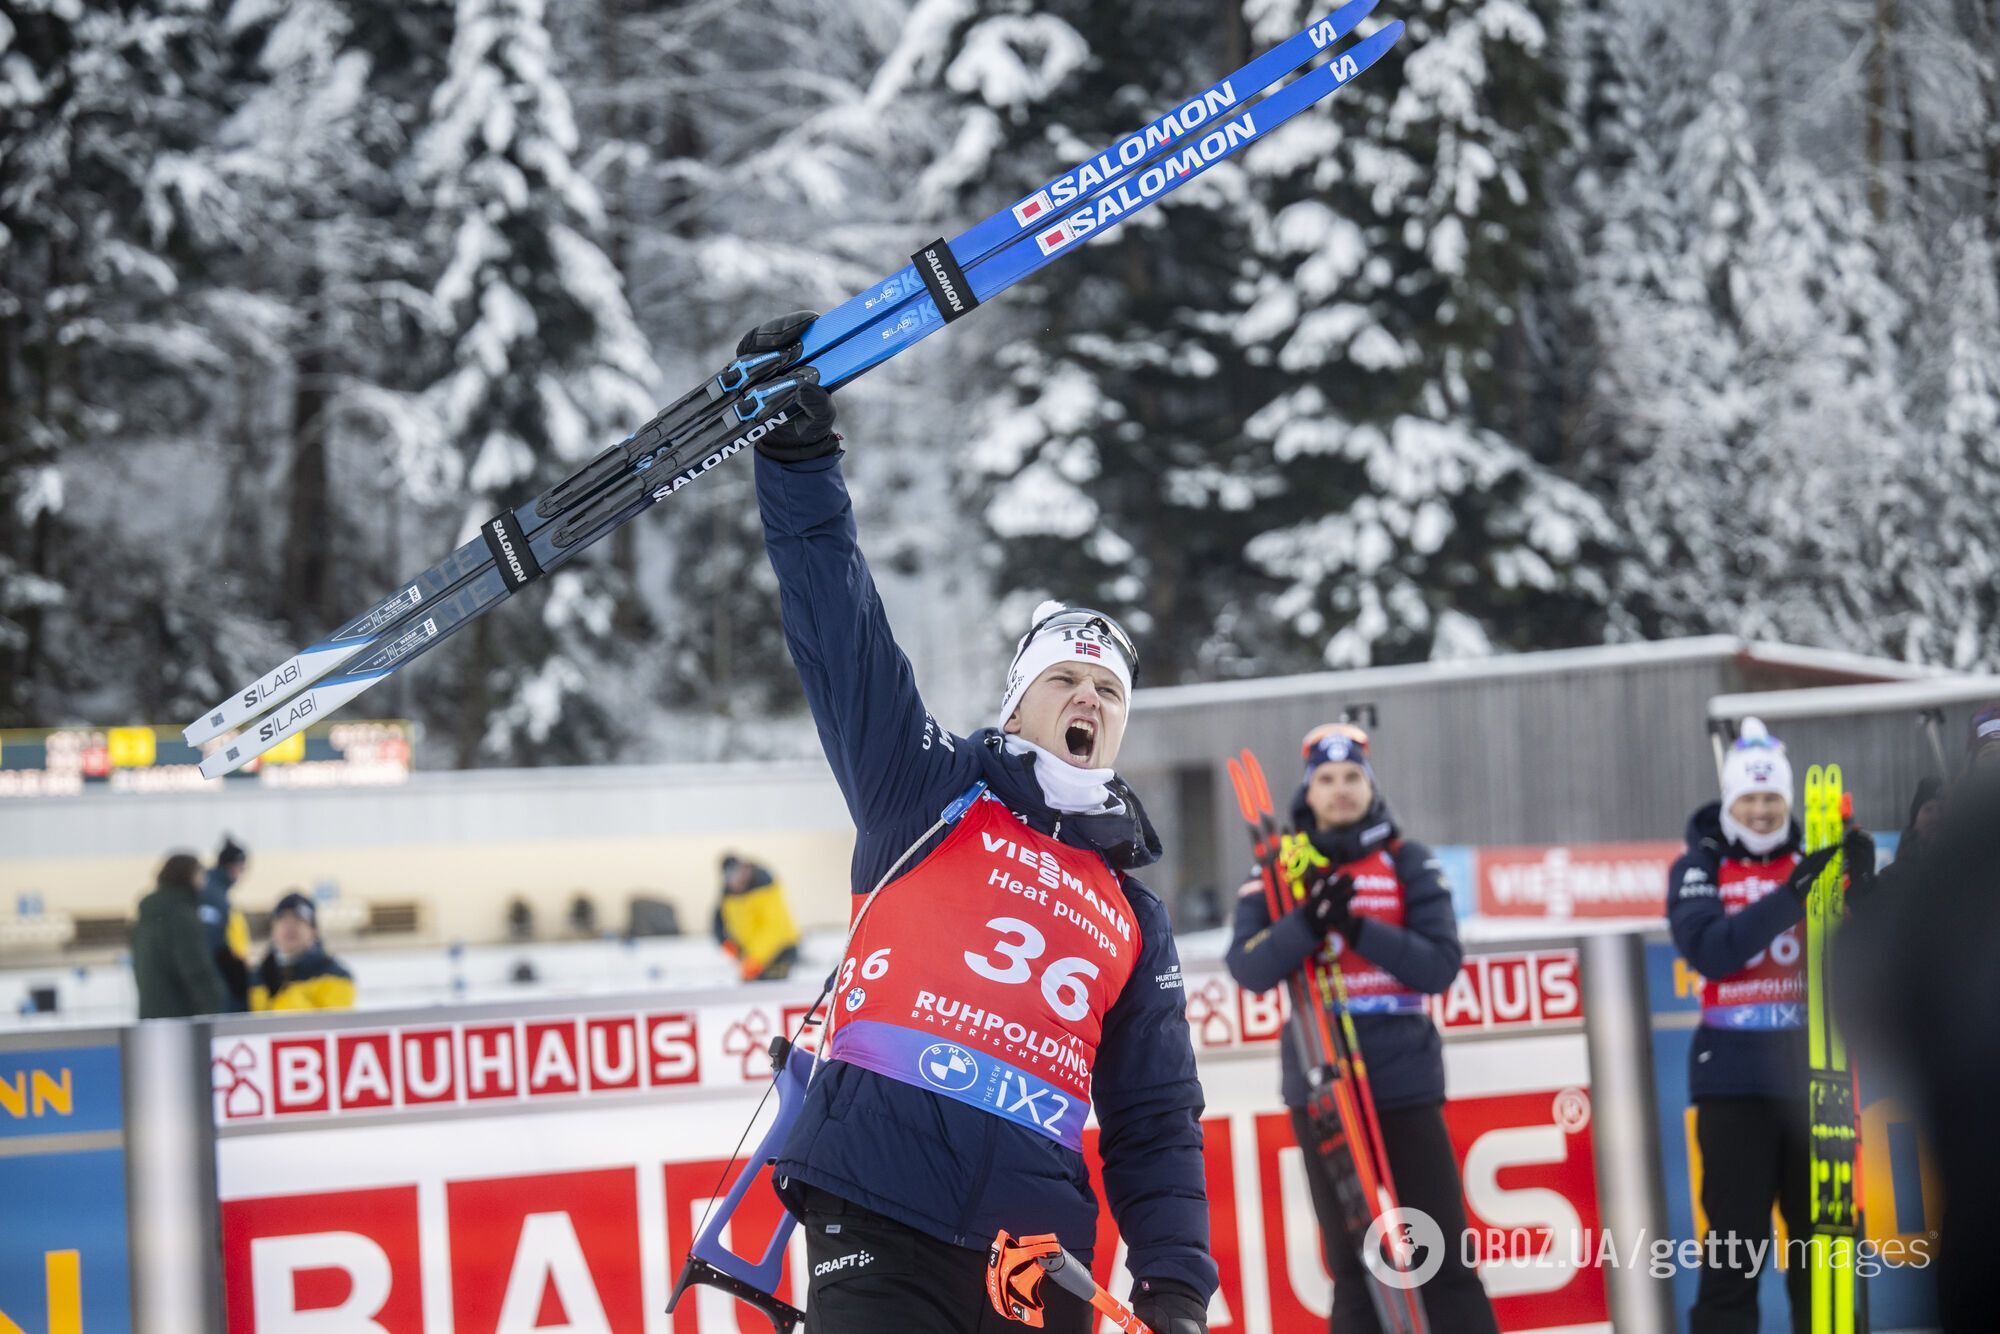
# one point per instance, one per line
(1835, 1168)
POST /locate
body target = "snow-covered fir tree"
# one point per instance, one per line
(1751, 386)
(741, 191)
(329, 326)
(272, 265)
(1101, 467)
(544, 367)
(1400, 517)
(110, 215)
(1950, 540)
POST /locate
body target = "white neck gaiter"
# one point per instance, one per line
(1760, 845)
(1064, 786)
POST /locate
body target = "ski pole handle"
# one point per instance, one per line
(1016, 1266)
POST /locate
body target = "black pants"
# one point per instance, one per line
(1754, 1151)
(1426, 1174)
(871, 1274)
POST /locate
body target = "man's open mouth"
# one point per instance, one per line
(1079, 738)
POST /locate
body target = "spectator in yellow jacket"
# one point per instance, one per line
(298, 973)
(753, 924)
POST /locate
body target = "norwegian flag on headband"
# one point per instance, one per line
(1085, 649)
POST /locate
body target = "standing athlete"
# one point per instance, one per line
(1734, 903)
(1009, 977)
(1378, 903)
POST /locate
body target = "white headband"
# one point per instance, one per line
(1061, 643)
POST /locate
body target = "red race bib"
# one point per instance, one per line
(1768, 991)
(1378, 894)
(985, 973)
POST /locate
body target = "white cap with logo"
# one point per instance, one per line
(1067, 634)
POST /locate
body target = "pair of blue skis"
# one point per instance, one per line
(748, 397)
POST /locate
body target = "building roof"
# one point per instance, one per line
(1837, 667)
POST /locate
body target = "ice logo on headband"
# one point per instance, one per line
(1336, 749)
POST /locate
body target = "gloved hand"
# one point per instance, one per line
(1329, 905)
(775, 335)
(807, 432)
(1800, 882)
(1859, 846)
(1168, 1307)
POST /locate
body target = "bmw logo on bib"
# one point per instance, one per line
(948, 1066)
(855, 995)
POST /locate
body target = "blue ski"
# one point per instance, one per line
(728, 413)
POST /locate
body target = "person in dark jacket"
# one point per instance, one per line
(228, 932)
(753, 924)
(1378, 904)
(297, 973)
(1735, 899)
(1926, 810)
(1982, 747)
(171, 962)
(1009, 976)
(1920, 1003)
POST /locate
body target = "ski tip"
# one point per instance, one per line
(1346, 18)
(1370, 48)
(1260, 789)
(212, 724)
(226, 760)
(1242, 786)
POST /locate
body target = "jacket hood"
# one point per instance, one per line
(1704, 829)
(1351, 842)
(1124, 838)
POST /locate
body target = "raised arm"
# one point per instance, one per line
(886, 751)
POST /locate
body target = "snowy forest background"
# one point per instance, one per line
(1573, 320)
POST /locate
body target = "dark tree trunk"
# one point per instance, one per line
(1875, 132)
(308, 584)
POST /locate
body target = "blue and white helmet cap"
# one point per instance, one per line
(1756, 763)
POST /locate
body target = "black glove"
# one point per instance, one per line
(1329, 905)
(1859, 846)
(775, 335)
(1168, 1307)
(1808, 870)
(807, 431)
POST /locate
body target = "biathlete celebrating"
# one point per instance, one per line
(1009, 976)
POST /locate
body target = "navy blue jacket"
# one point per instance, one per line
(1404, 1054)
(1732, 1063)
(215, 913)
(951, 1170)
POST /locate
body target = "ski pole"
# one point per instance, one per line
(1316, 989)
(1932, 721)
(1016, 1266)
